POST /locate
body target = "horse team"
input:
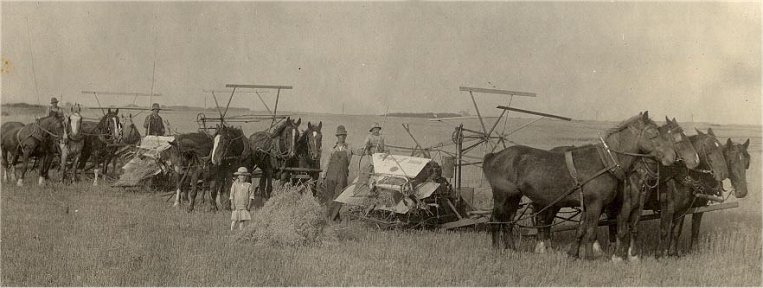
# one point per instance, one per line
(637, 166)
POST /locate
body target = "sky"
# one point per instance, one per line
(696, 61)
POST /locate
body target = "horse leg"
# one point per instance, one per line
(696, 220)
(667, 210)
(544, 221)
(27, 152)
(593, 211)
(192, 197)
(623, 219)
(675, 234)
(6, 165)
(500, 197)
(511, 208)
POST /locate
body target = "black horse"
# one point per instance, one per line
(190, 156)
(543, 177)
(102, 140)
(271, 151)
(627, 206)
(682, 188)
(8, 146)
(230, 150)
(40, 139)
(309, 152)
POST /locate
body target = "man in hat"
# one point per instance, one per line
(374, 143)
(54, 109)
(153, 123)
(336, 172)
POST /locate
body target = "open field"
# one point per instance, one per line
(100, 236)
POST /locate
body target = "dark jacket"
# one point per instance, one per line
(154, 124)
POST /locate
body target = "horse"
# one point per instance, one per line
(130, 133)
(627, 210)
(271, 151)
(230, 150)
(544, 177)
(40, 139)
(74, 145)
(627, 206)
(309, 150)
(101, 141)
(693, 188)
(8, 145)
(189, 155)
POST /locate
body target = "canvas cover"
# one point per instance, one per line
(391, 173)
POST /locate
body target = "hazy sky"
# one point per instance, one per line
(582, 59)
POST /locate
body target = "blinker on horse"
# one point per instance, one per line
(543, 177)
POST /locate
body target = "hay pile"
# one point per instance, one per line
(289, 218)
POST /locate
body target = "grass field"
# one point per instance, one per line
(81, 235)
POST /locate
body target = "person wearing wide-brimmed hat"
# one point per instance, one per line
(241, 196)
(54, 109)
(336, 172)
(374, 143)
(154, 124)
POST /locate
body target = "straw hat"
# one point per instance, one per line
(242, 171)
(155, 106)
(340, 130)
(53, 100)
(376, 125)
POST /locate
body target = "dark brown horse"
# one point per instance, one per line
(189, 155)
(543, 177)
(271, 151)
(627, 206)
(40, 139)
(309, 151)
(9, 146)
(130, 133)
(692, 188)
(230, 150)
(74, 145)
(102, 139)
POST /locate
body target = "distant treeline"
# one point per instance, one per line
(425, 115)
(23, 105)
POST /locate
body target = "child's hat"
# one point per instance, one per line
(241, 171)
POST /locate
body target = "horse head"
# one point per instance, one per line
(312, 138)
(681, 144)
(710, 154)
(110, 127)
(74, 121)
(639, 134)
(738, 161)
(287, 134)
(228, 140)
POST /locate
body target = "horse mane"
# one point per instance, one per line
(279, 129)
(624, 124)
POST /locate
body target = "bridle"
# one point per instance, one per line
(311, 137)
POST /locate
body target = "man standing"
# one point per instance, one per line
(153, 123)
(337, 171)
(54, 109)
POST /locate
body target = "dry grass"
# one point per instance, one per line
(84, 236)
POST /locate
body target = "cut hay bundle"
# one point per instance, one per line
(289, 218)
(137, 170)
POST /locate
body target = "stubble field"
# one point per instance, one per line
(79, 235)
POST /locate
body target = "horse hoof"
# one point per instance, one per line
(616, 259)
(597, 248)
(634, 258)
(41, 181)
(20, 183)
(540, 248)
